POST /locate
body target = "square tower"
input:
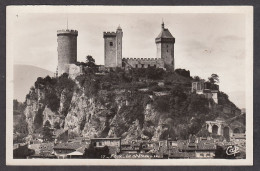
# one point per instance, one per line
(113, 48)
(165, 47)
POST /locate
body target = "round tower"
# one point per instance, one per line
(67, 49)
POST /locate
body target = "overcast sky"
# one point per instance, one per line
(204, 43)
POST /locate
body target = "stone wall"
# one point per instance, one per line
(142, 62)
(75, 71)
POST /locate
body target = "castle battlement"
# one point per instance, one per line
(142, 59)
(109, 34)
(67, 31)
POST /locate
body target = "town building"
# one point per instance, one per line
(209, 90)
(205, 150)
(239, 139)
(61, 150)
(77, 154)
(149, 147)
(224, 127)
(42, 148)
(130, 148)
(102, 142)
(113, 144)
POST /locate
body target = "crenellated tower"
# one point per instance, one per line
(67, 49)
(113, 48)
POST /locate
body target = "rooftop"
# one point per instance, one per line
(165, 33)
(105, 139)
(71, 146)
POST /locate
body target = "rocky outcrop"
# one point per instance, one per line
(30, 113)
(86, 117)
(89, 118)
(52, 117)
(114, 113)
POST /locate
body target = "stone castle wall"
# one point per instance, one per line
(142, 62)
(67, 49)
(75, 71)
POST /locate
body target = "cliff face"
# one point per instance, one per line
(30, 113)
(89, 118)
(86, 117)
(117, 112)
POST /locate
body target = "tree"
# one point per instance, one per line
(196, 78)
(203, 132)
(15, 104)
(90, 61)
(177, 101)
(96, 153)
(38, 118)
(47, 132)
(22, 152)
(53, 101)
(154, 73)
(161, 104)
(214, 78)
(20, 129)
(18, 107)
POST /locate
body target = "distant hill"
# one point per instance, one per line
(24, 78)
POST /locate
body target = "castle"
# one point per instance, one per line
(113, 57)
(164, 57)
(67, 52)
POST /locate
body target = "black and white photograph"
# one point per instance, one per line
(122, 85)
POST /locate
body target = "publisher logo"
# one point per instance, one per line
(232, 150)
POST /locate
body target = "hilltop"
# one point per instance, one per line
(142, 103)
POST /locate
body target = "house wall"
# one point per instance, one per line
(204, 154)
(109, 142)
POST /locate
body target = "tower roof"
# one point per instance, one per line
(164, 35)
(119, 28)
